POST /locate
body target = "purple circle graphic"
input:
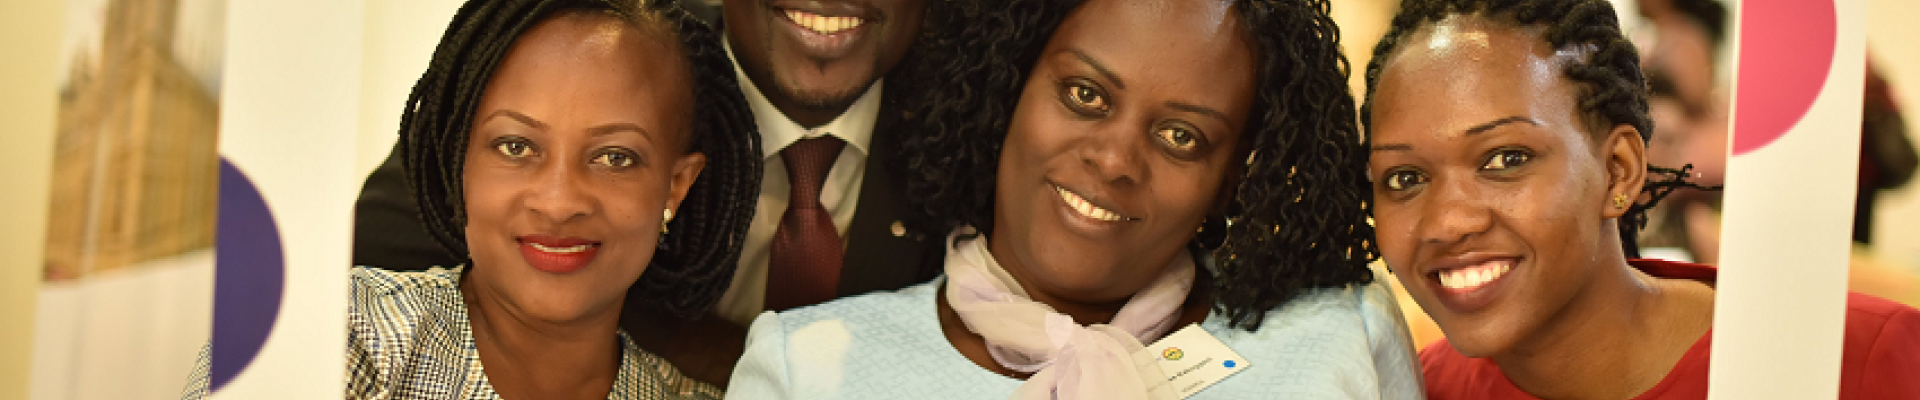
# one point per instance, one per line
(1785, 52)
(248, 278)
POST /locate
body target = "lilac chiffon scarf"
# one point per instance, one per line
(1067, 360)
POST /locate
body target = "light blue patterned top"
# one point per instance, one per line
(1349, 343)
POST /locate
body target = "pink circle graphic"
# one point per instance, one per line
(1786, 48)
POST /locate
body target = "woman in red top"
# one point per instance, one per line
(1508, 148)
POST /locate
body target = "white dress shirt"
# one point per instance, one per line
(746, 297)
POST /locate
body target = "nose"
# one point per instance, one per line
(1113, 153)
(1454, 210)
(559, 193)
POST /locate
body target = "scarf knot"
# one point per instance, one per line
(1067, 360)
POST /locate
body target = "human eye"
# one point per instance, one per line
(1083, 97)
(513, 147)
(616, 158)
(1502, 159)
(1178, 137)
(1403, 179)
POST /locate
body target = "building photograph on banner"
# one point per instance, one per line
(125, 303)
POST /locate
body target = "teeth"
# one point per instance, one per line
(1085, 208)
(1474, 276)
(823, 24)
(568, 249)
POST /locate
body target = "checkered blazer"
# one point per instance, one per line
(408, 338)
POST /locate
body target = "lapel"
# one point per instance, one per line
(882, 253)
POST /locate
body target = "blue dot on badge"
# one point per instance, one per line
(1229, 364)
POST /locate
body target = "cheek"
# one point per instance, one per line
(487, 196)
(1393, 232)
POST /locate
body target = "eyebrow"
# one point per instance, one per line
(1475, 130)
(1393, 147)
(1197, 109)
(617, 127)
(1098, 67)
(517, 116)
(1478, 129)
(602, 130)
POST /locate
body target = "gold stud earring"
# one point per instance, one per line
(1619, 201)
(665, 220)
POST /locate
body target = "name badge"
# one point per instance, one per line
(1193, 359)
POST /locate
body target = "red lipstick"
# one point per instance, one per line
(557, 255)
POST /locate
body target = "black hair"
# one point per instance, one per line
(1297, 219)
(1612, 91)
(695, 263)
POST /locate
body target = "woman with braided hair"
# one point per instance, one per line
(585, 156)
(1074, 149)
(1508, 142)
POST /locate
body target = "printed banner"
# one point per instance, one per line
(287, 186)
(1780, 305)
(124, 304)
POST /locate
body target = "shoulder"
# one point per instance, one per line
(1332, 342)
(405, 328)
(876, 310)
(1451, 375)
(1881, 349)
(383, 297)
(880, 345)
(1366, 311)
(375, 282)
(1881, 324)
(644, 375)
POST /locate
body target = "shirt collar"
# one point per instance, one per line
(855, 126)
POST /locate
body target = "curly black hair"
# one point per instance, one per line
(1298, 218)
(695, 263)
(1612, 90)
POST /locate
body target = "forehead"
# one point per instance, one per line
(1466, 70)
(1180, 42)
(596, 60)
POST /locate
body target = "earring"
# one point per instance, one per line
(665, 220)
(1619, 201)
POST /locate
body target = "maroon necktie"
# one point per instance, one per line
(803, 266)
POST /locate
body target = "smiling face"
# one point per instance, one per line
(812, 58)
(578, 145)
(1493, 198)
(1121, 143)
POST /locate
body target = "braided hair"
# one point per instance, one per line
(1611, 88)
(1297, 219)
(693, 265)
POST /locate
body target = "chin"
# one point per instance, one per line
(559, 310)
(1484, 340)
(828, 94)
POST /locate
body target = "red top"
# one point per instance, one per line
(1880, 358)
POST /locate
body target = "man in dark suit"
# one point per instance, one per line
(811, 71)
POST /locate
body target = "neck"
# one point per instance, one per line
(1616, 338)
(807, 116)
(1083, 312)
(528, 358)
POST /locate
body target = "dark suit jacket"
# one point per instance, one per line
(388, 233)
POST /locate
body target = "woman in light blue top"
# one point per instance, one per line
(1116, 171)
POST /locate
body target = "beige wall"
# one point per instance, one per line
(31, 30)
(400, 39)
